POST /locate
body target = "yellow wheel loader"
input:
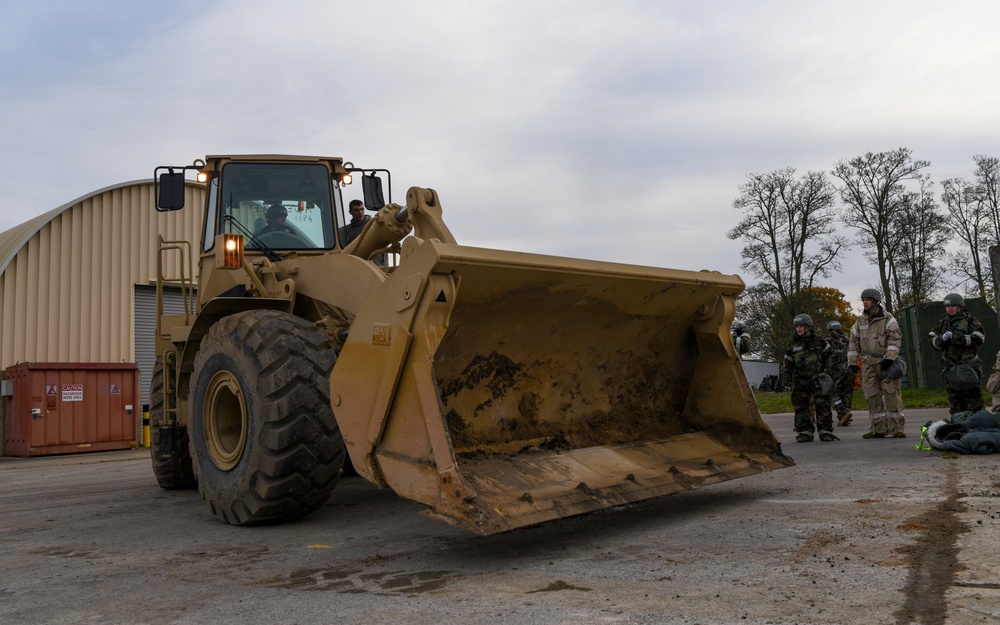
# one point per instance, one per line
(500, 389)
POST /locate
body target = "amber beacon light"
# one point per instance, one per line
(231, 251)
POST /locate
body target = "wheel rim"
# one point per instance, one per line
(225, 420)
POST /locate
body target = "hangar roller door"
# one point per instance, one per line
(145, 329)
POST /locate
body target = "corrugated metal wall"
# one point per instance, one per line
(66, 293)
(757, 370)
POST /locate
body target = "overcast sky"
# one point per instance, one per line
(616, 131)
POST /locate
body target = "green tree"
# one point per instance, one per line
(766, 319)
(826, 304)
(760, 312)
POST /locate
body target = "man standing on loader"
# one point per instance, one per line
(959, 336)
(876, 337)
(806, 357)
(354, 227)
(357, 223)
(842, 375)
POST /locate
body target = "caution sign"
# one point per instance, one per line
(72, 392)
(116, 389)
(50, 390)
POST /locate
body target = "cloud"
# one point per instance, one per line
(616, 131)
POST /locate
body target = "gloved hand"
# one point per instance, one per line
(854, 369)
(947, 336)
(885, 364)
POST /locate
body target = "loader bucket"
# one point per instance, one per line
(505, 389)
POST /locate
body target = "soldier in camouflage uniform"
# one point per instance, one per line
(876, 338)
(959, 336)
(741, 340)
(807, 356)
(842, 375)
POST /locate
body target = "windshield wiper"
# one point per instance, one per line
(271, 254)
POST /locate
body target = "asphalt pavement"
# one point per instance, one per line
(858, 532)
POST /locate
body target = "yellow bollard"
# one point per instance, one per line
(145, 427)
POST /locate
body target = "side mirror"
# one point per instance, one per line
(169, 189)
(371, 186)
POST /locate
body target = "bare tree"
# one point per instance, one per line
(789, 226)
(922, 236)
(970, 219)
(873, 192)
(988, 181)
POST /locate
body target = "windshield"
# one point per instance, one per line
(284, 206)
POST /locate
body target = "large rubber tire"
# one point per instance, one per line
(264, 440)
(168, 447)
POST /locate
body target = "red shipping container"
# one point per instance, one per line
(61, 408)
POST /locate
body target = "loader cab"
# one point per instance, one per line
(275, 203)
(280, 206)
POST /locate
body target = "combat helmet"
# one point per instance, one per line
(954, 299)
(802, 320)
(833, 325)
(872, 294)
